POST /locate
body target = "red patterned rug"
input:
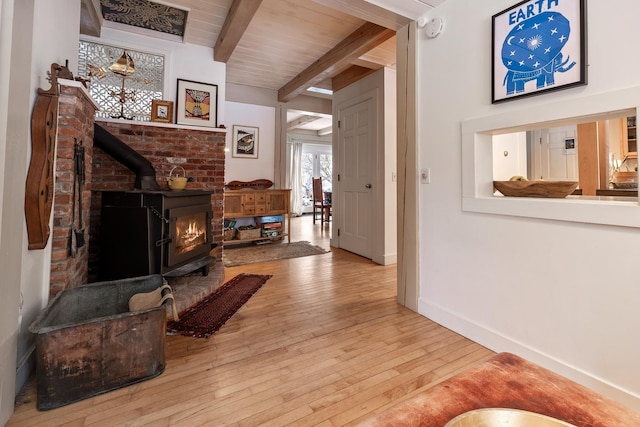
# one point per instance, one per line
(204, 318)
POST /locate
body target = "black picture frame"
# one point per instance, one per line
(538, 47)
(197, 103)
(245, 141)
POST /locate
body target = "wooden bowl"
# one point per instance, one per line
(625, 176)
(545, 189)
(504, 417)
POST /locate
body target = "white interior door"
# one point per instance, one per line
(559, 162)
(357, 148)
(509, 155)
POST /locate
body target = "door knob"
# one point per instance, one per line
(368, 185)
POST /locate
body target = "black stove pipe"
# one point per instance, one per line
(131, 159)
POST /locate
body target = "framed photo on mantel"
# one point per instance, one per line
(161, 111)
(197, 104)
(538, 46)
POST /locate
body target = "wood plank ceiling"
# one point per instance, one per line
(287, 45)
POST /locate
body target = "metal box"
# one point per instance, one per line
(88, 342)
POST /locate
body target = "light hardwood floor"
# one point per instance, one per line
(322, 343)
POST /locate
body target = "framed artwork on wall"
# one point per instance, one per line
(161, 111)
(245, 142)
(538, 47)
(569, 146)
(197, 104)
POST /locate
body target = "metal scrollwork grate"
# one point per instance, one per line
(136, 88)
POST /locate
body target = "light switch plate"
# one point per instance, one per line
(425, 176)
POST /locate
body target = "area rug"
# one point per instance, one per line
(270, 252)
(507, 381)
(201, 320)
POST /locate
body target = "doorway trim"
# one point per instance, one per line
(408, 170)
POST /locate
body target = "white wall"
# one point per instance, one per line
(9, 262)
(551, 291)
(182, 61)
(243, 169)
(45, 50)
(27, 45)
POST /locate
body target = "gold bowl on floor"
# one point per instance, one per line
(546, 189)
(503, 417)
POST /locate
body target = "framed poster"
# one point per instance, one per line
(245, 142)
(538, 47)
(161, 111)
(197, 104)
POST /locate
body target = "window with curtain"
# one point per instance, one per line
(317, 161)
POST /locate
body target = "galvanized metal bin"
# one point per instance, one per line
(88, 342)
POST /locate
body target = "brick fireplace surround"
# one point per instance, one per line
(200, 151)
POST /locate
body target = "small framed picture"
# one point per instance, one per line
(245, 142)
(197, 104)
(161, 111)
(569, 146)
(538, 47)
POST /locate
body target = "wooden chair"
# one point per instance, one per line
(319, 202)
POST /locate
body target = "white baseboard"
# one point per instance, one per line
(498, 342)
(386, 259)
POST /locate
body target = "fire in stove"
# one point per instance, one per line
(191, 232)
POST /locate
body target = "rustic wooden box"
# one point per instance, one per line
(88, 342)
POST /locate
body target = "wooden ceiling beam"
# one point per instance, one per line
(235, 24)
(369, 12)
(337, 59)
(365, 63)
(301, 121)
(349, 76)
(326, 131)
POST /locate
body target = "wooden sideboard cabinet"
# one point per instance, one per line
(247, 203)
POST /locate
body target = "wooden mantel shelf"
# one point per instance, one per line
(162, 125)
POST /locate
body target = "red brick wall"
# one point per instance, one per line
(199, 152)
(75, 122)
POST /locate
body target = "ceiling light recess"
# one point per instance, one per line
(320, 90)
